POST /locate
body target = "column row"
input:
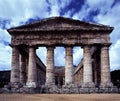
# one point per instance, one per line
(50, 75)
(88, 70)
(19, 67)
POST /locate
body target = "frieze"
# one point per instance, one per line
(60, 39)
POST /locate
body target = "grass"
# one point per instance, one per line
(59, 97)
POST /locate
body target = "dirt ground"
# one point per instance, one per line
(59, 97)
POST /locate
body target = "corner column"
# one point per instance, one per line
(105, 67)
(15, 70)
(87, 68)
(32, 70)
(69, 79)
(50, 76)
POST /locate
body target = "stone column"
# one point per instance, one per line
(87, 68)
(22, 68)
(50, 76)
(15, 70)
(32, 70)
(69, 79)
(105, 67)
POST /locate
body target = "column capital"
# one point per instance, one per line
(14, 46)
(86, 45)
(33, 46)
(106, 45)
(68, 46)
(50, 47)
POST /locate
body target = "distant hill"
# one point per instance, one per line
(5, 78)
(115, 77)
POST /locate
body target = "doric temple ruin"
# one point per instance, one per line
(29, 74)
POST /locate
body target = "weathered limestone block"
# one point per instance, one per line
(84, 90)
(74, 90)
(15, 71)
(69, 79)
(4, 90)
(65, 90)
(87, 69)
(50, 76)
(32, 70)
(105, 68)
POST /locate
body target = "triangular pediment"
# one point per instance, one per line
(60, 24)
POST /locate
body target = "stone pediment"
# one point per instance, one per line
(61, 24)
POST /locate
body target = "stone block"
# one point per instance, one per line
(4, 90)
(74, 90)
(92, 90)
(84, 90)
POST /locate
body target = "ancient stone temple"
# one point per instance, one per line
(92, 74)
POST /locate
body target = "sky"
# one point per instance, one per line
(19, 12)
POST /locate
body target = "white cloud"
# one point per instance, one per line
(21, 10)
(57, 6)
(83, 12)
(77, 55)
(114, 54)
(59, 55)
(41, 52)
(112, 17)
(108, 14)
(4, 36)
(17, 11)
(54, 8)
(5, 57)
(68, 13)
(102, 6)
(5, 50)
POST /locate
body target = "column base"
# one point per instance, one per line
(31, 84)
(49, 84)
(106, 85)
(15, 85)
(88, 85)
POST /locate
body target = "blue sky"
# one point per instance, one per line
(18, 12)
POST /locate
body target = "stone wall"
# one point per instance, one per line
(78, 77)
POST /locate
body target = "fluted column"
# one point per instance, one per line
(50, 76)
(69, 79)
(105, 67)
(15, 69)
(87, 68)
(22, 68)
(32, 70)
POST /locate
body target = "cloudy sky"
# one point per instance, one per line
(18, 12)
